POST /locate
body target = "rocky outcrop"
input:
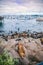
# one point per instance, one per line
(30, 50)
(39, 19)
(1, 18)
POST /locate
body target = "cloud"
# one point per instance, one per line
(21, 6)
(12, 8)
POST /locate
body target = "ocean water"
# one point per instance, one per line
(41, 63)
(20, 23)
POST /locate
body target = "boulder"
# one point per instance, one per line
(39, 19)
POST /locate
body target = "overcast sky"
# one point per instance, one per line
(21, 6)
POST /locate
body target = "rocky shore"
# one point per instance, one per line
(28, 48)
(24, 34)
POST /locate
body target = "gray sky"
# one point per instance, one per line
(21, 6)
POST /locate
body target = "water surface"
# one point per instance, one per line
(21, 23)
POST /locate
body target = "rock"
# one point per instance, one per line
(13, 53)
(16, 35)
(24, 35)
(24, 61)
(1, 50)
(33, 59)
(5, 37)
(37, 35)
(10, 43)
(41, 39)
(28, 50)
(32, 46)
(39, 19)
(34, 36)
(19, 39)
(9, 37)
(1, 18)
(39, 55)
(37, 41)
(2, 42)
(25, 40)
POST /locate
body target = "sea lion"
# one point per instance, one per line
(21, 50)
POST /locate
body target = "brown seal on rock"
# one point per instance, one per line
(21, 50)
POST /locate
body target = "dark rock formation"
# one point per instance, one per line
(1, 18)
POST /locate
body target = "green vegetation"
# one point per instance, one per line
(5, 59)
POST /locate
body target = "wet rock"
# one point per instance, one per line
(12, 36)
(1, 18)
(16, 35)
(34, 36)
(24, 35)
(37, 35)
(18, 39)
(6, 38)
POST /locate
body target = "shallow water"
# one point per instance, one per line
(21, 23)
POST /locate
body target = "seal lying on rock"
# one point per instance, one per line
(21, 50)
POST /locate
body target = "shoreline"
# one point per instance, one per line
(23, 34)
